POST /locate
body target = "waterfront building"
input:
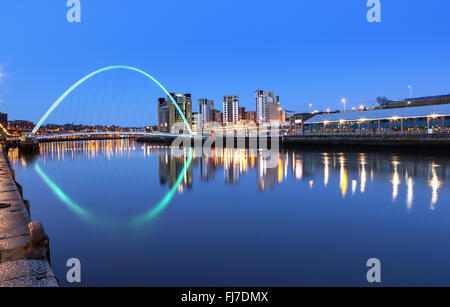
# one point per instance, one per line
(151, 129)
(184, 102)
(282, 116)
(285, 128)
(250, 116)
(196, 124)
(297, 122)
(427, 119)
(168, 114)
(205, 108)
(273, 112)
(241, 114)
(230, 109)
(217, 116)
(163, 115)
(288, 114)
(263, 99)
(4, 120)
(21, 125)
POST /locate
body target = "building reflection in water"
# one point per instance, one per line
(363, 174)
(343, 177)
(410, 193)
(435, 184)
(326, 169)
(395, 180)
(306, 168)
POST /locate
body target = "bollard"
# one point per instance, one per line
(39, 240)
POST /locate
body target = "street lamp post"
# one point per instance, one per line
(344, 101)
(410, 91)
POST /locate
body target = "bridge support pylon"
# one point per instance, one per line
(29, 143)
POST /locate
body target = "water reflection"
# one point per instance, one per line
(435, 184)
(336, 170)
(410, 195)
(395, 180)
(343, 177)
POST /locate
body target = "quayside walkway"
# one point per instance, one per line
(24, 247)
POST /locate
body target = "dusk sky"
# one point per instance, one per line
(305, 51)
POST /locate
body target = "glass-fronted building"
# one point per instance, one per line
(423, 118)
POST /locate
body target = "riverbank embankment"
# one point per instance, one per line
(420, 143)
(24, 246)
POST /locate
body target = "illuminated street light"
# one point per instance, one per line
(410, 91)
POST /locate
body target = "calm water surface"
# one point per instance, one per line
(135, 215)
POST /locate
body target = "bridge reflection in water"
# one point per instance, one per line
(229, 219)
(355, 171)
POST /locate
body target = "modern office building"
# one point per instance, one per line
(263, 99)
(205, 108)
(230, 109)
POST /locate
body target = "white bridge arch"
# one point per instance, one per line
(82, 80)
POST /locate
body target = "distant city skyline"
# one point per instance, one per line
(313, 54)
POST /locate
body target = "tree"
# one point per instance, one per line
(383, 101)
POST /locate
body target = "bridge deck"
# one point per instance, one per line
(120, 134)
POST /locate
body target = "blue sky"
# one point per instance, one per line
(305, 51)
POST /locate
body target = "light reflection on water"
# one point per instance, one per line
(237, 162)
(328, 193)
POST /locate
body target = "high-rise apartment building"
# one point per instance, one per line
(263, 98)
(205, 108)
(230, 109)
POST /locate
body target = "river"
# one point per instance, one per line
(133, 214)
